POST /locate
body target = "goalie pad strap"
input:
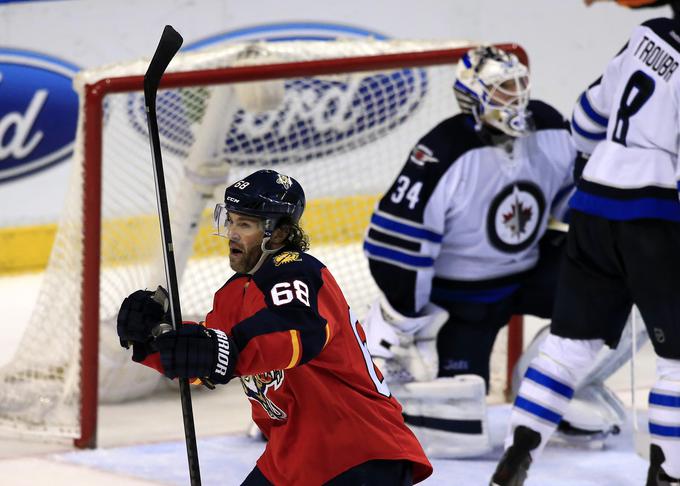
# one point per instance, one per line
(447, 425)
(447, 415)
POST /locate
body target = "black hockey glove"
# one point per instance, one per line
(139, 317)
(194, 351)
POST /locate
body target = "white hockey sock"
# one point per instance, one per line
(548, 386)
(664, 414)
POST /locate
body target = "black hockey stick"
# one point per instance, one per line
(167, 48)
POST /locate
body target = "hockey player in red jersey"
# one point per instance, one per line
(283, 327)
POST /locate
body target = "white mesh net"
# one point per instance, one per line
(343, 136)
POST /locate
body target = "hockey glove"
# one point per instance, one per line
(194, 351)
(139, 316)
(406, 347)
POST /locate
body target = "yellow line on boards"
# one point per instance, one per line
(339, 220)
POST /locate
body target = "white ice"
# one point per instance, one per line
(141, 443)
(226, 460)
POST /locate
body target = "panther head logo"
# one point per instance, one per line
(256, 387)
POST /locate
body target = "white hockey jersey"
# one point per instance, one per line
(629, 120)
(463, 218)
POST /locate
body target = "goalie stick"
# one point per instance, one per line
(168, 46)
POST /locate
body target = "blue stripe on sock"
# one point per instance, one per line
(550, 383)
(664, 400)
(664, 430)
(538, 410)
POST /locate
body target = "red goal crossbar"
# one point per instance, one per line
(93, 112)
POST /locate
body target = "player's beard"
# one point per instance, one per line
(242, 259)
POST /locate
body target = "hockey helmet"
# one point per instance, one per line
(493, 86)
(264, 194)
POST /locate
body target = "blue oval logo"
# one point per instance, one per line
(313, 117)
(38, 112)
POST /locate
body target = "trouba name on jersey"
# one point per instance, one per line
(661, 62)
(38, 112)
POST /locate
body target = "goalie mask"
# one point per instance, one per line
(264, 194)
(493, 86)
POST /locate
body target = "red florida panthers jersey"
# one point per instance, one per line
(304, 366)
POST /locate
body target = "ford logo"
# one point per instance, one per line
(314, 116)
(38, 112)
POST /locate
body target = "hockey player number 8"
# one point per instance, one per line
(644, 88)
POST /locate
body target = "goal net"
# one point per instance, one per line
(339, 116)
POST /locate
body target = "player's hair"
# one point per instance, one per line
(297, 237)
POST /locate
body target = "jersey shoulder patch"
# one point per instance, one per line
(433, 156)
(288, 264)
(546, 117)
(286, 257)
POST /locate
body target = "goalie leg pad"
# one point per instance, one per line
(447, 415)
(594, 413)
(607, 361)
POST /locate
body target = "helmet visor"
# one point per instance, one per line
(221, 220)
(511, 93)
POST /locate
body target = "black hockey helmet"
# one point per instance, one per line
(264, 194)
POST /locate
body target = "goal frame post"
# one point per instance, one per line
(93, 111)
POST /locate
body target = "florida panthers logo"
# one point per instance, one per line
(515, 216)
(256, 387)
(286, 257)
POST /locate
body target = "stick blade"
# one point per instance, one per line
(168, 46)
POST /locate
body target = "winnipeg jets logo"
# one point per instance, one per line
(256, 387)
(515, 216)
(284, 180)
(421, 155)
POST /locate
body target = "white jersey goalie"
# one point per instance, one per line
(460, 242)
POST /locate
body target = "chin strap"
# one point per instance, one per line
(478, 120)
(266, 253)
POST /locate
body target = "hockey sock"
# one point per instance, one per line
(548, 386)
(664, 414)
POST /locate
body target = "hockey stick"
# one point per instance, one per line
(168, 46)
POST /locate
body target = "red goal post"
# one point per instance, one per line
(98, 90)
